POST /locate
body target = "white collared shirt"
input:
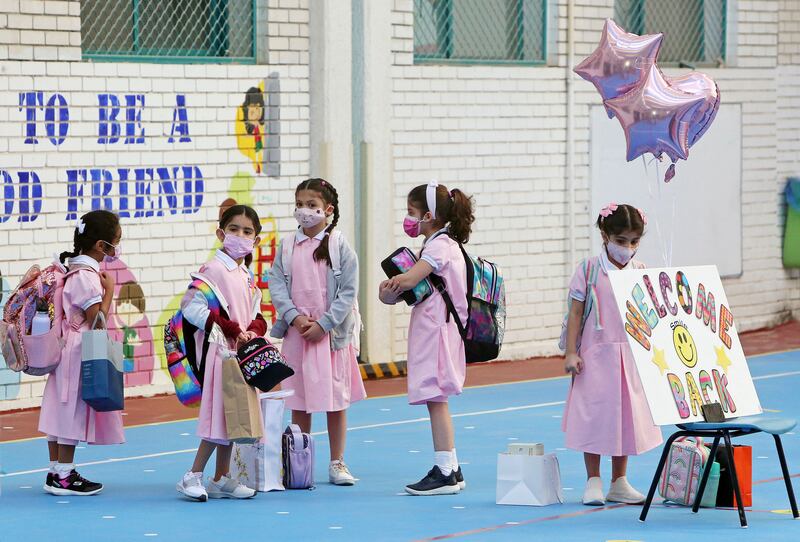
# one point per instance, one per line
(230, 263)
(83, 259)
(301, 236)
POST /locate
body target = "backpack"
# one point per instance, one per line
(35, 355)
(298, 458)
(336, 266)
(486, 308)
(590, 271)
(680, 478)
(179, 345)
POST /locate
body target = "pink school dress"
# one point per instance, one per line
(241, 300)
(323, 380)
(64, 415)
(436, 361)
(606, 411)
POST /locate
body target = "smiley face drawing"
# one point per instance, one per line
(684, 345)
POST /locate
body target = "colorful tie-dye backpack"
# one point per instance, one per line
(680, 478)
(179, 345)
(486, 308)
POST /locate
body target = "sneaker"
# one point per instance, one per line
(435, 483)
(460, 479)
(73, 484)
(48, 484)
(228, 488)
(593, 494)
(339, 474)
(191, 485)
(622, 491)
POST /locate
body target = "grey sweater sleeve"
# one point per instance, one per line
(281, 298)
(346, 295)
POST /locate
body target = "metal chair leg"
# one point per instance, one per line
(706, 473)
(734, 479)
(651, 493)
(786, 477)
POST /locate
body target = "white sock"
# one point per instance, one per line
(52, 469)
(454, 458)
(444, 461)
(62, 470)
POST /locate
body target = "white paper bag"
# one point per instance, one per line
(533, 480)
(96, 344)
(258, 466)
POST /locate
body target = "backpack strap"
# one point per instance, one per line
(441, 287)
(335, 252)
(287, 248)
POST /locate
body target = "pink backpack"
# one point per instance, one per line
(34, 354)
(681, 476)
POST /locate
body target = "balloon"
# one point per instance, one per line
(698, 84)
(654, 117)
(620, 61)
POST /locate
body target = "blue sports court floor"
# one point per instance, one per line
(389, 446)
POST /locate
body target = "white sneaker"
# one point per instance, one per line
(339, 474)
(622, 491)
(228, 488)
(191, 485)
(593, 494)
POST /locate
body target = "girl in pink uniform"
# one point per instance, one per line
(606, 411)
(64, 417)
(234, 286)
(314, 287)
(436, 359)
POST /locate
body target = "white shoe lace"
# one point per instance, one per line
(193, 479)
(339, 467)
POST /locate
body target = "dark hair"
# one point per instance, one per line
(238, 210)
(99, 225)
(331, 197)
(253, 96)
(453, 207)
(131, 292)
(624, 218)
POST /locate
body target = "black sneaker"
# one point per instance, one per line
(460, 479)
(435, 483)
(48, 484)
(74, 484)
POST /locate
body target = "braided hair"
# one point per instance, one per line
(330, 196)
(98, 225)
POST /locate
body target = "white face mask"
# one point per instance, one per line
(620, 254)
(308, 218)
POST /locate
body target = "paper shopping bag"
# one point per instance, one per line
(240, 401)
(101, 369)
(533, 480)
(743, 458)
(258, 465)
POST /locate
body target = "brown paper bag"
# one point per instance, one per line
(242, 409)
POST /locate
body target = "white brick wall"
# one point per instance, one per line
(160, 251)
(499, 133)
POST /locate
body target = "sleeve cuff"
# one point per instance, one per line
(258, 326)
(577, 296)
(93, 301)
(290, 315)
(326, 324)
(431, 261)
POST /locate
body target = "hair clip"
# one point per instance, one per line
(644, 217)
(606, 211)
(80, 226)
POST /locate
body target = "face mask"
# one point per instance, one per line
(308, 218)
(117, 253)
(620, 254)
(411, 226)
(237, 247)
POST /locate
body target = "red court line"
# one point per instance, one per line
(583, 513)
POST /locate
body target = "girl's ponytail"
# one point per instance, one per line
(461, 215)
(75, 249)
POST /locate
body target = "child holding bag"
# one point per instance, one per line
(236, 316)
(606, 411)
(65, 418)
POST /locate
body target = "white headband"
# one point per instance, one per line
(430, 196)
(80, 226)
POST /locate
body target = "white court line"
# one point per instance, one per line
(776, 375)
(356, 428)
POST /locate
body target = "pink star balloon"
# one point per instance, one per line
(698, 84)
(620, 61)
(653, 116)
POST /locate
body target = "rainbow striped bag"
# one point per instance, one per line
(680, 478)
(179, 344)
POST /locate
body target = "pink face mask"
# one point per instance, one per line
(308, 218)
(619, 253)
(117, 253)
(237, 247)
(411, 226)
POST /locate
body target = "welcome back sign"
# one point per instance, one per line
(684, 341)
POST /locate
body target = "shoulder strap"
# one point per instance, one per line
(335, 251)
(287, 247)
